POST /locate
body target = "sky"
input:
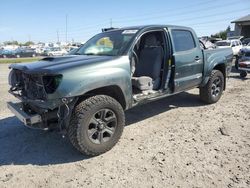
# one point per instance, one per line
(45, 21)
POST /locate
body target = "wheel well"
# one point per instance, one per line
(222, 68)
(112, 91)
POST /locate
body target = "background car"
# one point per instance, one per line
(235, 44)
(244, 63)
(246, 41)
(24, 52)
(245, 48)
(56, 52)
(6, 53)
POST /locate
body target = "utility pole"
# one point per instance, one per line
(29, 38)
(110, 22)
(66, 37)
(57, 32)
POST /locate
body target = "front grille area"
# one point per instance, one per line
(27, 85)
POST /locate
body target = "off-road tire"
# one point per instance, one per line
(79, 123)
(243, 74)
(206, 91)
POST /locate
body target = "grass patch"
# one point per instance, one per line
(19, 60)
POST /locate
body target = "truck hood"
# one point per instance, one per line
(51, 65)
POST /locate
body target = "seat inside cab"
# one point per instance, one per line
(147, 62)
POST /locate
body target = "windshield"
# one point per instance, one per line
(223, 43)
(112, 43)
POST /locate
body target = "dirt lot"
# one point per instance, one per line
(174, 142)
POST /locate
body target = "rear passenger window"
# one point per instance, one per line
(183, 40)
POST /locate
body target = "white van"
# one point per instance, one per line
(235, 44)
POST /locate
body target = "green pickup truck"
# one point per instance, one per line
(85, 94)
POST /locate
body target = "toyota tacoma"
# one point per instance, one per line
(85, 95)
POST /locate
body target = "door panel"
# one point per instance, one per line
(188, 59)
(188, 69)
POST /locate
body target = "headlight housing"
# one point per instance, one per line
(51, 83)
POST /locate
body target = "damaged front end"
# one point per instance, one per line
(37, 109)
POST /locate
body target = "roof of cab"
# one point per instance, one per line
(151, 26)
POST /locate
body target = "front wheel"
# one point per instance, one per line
(212, 91)
(96, 125)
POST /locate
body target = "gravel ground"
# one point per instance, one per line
(174, 142)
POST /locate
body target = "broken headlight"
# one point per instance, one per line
(51, 83)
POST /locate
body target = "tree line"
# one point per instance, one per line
(28, 43)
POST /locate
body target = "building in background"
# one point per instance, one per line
(242, 26)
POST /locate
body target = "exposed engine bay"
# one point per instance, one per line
(32, 86)
(32, 90)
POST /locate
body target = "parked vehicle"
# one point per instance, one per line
(235, 44)
(24, 52)
(242, 51)
(246, 47)
(246, 41)
(86, 95)
(56, 52)
(6, 53)
(244, 63)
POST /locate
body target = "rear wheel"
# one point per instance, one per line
(212, 91)
(243, 74)
(96, 125)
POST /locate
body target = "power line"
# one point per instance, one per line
(168, 14)
(151, 18)
(121, 18)
(79, 31)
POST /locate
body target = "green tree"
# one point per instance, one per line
(14, 42)
(222, 34)
(28, 43)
